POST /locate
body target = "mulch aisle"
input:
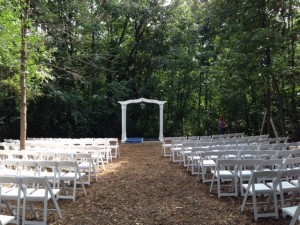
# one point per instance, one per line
(143, 188)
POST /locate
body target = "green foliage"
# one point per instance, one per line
(205, 58)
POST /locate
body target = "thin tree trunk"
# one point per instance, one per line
(280, 105)
(23, 73)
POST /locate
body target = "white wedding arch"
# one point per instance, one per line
(140, 100)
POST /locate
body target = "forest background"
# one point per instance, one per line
(206, 58)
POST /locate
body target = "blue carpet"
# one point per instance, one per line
(134, 140)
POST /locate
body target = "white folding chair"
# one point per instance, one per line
(96, 156)
(68, 172)
(9, 167)
(104, 149)
(257, 187)
(11, 194)
(166, 146)
(245, 168)
(226, 171)
(288, 185)
(48, 169)
(115, 147)
(194, 160)
(186, 151)
(85, 163)
(42, 192)
(206, 165)
(176, 150)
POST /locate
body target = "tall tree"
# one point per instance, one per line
(23, 72)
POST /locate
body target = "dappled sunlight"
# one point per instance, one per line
(113, 167)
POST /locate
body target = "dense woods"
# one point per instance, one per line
(206, 58)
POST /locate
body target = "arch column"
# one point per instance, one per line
(124, 111)
(161, 122)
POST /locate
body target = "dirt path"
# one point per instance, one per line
(142, 188)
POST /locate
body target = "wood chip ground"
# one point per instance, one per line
(143, 188)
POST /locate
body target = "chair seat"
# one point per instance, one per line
(5, 190)
(290, 211)
(244, 173)
(225, 174)
(5, 219)
(295, 182)
(70, 175)
(84, 165)
(39, 195)
(259, 187)
(50, 175)
(208, 163)
(287, 185)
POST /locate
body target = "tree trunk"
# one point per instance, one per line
(280, 105)
(23, 73)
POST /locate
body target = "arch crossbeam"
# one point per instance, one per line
(140, 100)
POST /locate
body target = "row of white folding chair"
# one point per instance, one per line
(199, 154)
(271, 183)
(59, 173)
(29, 190)
(184, 150)
(239, 170)
(208, 161)
(233, 171)
(99, 155)
(36, 168)
(180, 150)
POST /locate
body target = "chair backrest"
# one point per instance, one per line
(195, 138)
(271, 164)
(216, 148)
(248, 154)
(251, 147)
(197, 151)
(266, 154)
(294, 174)
(267, 146)
(230, 154)
(227, 164)
(10, 167)
(295, 153)
(180, 138)
(249, 164)
(262, 175)
(282, 154)
(61, 156)
(204, 138)
(83, 157)
(291, 163)
(189, 144)
(210, 155)
(27, 167)
(217, 142)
